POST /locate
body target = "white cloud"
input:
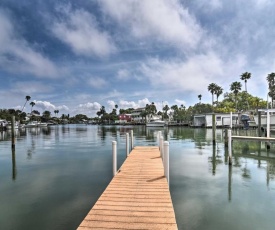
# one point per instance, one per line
(180, 102)
(46, 105)
(90, 106)
(31, 87)
(16, 55)
(123, 75)
(157, 20)
(131, 104)
(193, 74)
(79, 30)
(89, 109)
(111, 104)
(97, 82)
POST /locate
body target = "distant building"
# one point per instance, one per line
(124, 118)
(136, 115)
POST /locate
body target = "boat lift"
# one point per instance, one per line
(267, 139)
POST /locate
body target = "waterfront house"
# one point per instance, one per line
(124, 118)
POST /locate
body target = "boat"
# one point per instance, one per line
(155, 123)
(9, 125)
(35, 124)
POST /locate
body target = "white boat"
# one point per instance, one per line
(9, 126)
(35, 124)
(155, 123)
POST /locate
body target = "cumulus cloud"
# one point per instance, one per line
(89, 108)
(17, 55)
(46, 105)
(194, 74)
(133, 104)
(80, 31)
(164, 21)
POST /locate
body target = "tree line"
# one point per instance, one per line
(233, 101)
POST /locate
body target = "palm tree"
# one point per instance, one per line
(270, 79)
(235, 87)
(27, 99)
(219, 91)
(244, 77)
(271, 86)
(199, 96)
(32, 104)
(212, 89)
(165, 109)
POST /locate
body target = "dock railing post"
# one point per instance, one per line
(127, 144)
(159, 135)
(166, 160)
(132, 139)
(114, 145)
(161, 146)
(230, 146)
(13, 132)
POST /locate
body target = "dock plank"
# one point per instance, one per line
(138, 197)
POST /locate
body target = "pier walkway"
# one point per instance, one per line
(138, 197)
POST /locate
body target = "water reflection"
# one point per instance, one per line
(65, 168)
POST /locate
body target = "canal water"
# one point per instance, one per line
(55, 175)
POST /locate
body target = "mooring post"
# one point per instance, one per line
(214, 128)
(230, 146)
(259, 123)
(13, 164)
(226, 137)
(12, 132)
(161, 146)
(132, 139)
(114, 145)
(127, 144)
(166, 160)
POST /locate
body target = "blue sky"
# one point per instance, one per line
(76, 56)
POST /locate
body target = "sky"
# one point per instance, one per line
(76, 56)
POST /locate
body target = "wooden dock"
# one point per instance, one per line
(138, 197)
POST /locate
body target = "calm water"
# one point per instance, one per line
(56, 174)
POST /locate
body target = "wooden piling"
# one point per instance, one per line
(127, 144)
(214, 128)
(13, 132)
(114, 148)
(226, 138)
(259, 123)
(230, 146)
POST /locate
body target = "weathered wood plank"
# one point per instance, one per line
(138, 197)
